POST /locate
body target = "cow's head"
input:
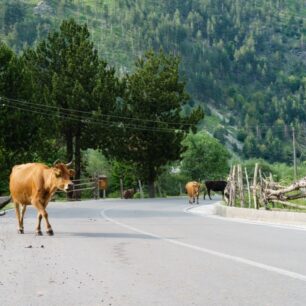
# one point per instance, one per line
(62, 176)
(196, 188)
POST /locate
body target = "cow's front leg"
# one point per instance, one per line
(209, 194)
(38, 226)
(42, 211)
(197, 199)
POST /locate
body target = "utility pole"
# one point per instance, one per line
(294, 154)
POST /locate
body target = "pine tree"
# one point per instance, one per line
(68, 74)
(154, 98)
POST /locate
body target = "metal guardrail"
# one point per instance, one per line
(4, 201)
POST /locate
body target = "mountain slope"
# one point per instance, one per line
(246, 59)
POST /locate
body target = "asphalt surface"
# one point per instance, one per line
(149, 252)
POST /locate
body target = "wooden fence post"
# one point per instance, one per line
(121, 188)
(181, 191)
(255, 187)
(227, 190)
(140, 189)
(96, 183)
(248, 186)
(230, 191)
(233, 187)
(240, 185)
(158, 189)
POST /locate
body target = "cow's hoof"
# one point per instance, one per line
(38, 233)
(50, 232)
(21, 231)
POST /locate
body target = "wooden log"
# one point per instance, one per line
(295, 186)
(289, 204)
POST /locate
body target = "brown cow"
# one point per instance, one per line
(129, 193)
(35, 183)
(193, 190)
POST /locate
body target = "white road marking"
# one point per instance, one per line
(238, 259)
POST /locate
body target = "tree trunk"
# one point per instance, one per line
(77, 154)
(150, 180)
(151, 188)
(69, 146)
(69, 155)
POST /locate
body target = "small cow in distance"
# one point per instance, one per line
(193, 191)
(35, 183)
(214, 186)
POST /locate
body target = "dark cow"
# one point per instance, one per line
(35, 183)
(214, 186)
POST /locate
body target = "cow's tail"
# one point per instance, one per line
(4, 201)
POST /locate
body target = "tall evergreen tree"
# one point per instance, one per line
(67, 74)
(21, 133)
(151, 133)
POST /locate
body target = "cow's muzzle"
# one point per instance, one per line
(69, 187)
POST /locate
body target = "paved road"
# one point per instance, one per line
(151, 252)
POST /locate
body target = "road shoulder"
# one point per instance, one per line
(292, 220)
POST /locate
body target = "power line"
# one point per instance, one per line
(104, 124)
(88, 120)
(80, 112)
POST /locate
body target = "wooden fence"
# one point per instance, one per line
(262, 190)
(92, 184)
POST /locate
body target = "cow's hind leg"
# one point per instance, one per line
(20, 227)
(23, 210)
(38, 227)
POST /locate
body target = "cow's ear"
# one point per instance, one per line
(57, 172)
(71, 172)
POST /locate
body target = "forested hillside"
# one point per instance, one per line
(243, 60)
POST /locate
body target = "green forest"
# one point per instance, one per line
(243, 63)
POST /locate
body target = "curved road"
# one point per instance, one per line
(149, 252)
